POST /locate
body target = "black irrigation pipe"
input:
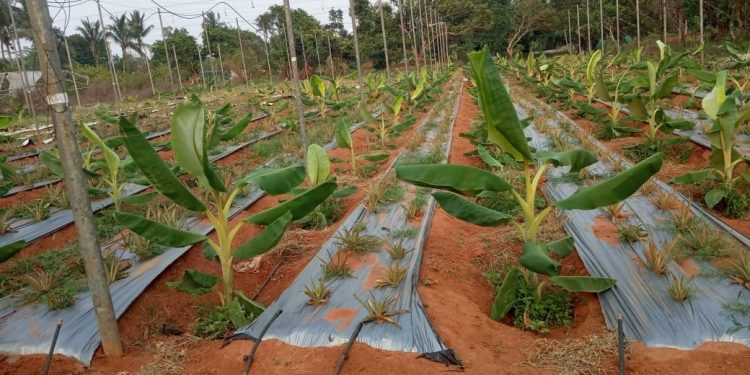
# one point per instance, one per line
(249, 358)
(48, 362)
(345, 354)
(268, 279)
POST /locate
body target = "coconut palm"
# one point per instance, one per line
(139, 31)
(93, 33)
(119, 31)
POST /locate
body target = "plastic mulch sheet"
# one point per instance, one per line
(641, 296)
(332, 323)
(28, 329)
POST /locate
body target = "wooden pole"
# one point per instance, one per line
(166, 52)
(421, 31)
(177, 65)
(221, 64)
(72, 73)
(578, 28)
(664, 18)
(203, 72)
(617, 23)
(588, 23)
(304, 53)
(148, 69)
(638, 22)
(601, 24)
(268, 56)
(570, 34)
(702, 36)
(403, 36)
(295, 76)
(330, 55)
(360, 81)
(76, 182)
(111, 63)
(385, 43)
(413, 36)
(317, 50)
(242, 52)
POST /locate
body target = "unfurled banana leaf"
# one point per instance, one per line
(503, 127)
(156, 231)
(300, 206)
(715, 99)
(583, 283)
(318, 165)
(615, 189)
(275, 181)
(111, 157)
(265, 240)
(343, 135)
(456, 178)
(189, 143)
(154, 168)
(458, 207)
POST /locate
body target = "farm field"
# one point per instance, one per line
(408, 194)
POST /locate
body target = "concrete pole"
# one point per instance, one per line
(203, 72)
(356, 51)
(617, 23)
(385, 43)
(317, 50)
(570, 34)
(242, 52)
(72, 73)
(148, 69)
(177, 65)
(166, 52)
(304, 54)
(664, 18)
(601, 24)
(578, 28)
(702, 36)
(112, 71)
(403, 36)
(413, 36)
(421, 31)
(221, 65)
(638, 22)
(295, 75)
(330, 55)
(76, 182)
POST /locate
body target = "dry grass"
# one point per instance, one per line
(169, 357)
(592, 354)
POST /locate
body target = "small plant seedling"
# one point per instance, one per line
(318, 292)
(5, 214)
(616, 212)
(388, 190)
(37, 210)
(631, 233)
(336, 267)
(379, 310)
(57, 197)
(680, 289)
(649, 188)
(739, 271)
(357, 240)
(48, 287)
(658, 260)
(683, 219)
(664, 201)
(116, 267)
(394, 274)
(397, 250)
(703, 242)
(406, 232)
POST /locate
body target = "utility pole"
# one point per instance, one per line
(638, 22)
(295, 75)
(403, 37)
(242, 52)
(166, 52)
(588, 23)
(356, 51)
(385, 43)
(112, 71)
(76, 182)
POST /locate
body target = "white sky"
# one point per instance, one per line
(68, 19)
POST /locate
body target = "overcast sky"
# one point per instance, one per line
(69, 17)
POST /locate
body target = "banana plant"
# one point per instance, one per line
(317, 94)
(112, 166)
(505, 131)
(221, 124)
(190, 138)
(344, 140)
(375, 83)
(594, 82)
(727, 116)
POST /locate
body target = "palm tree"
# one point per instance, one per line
(119, 31)
(93, 33)
(139, 31)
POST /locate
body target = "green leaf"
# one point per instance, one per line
(195, 283)
(577, 159)
(404, 125)
(237, 314)
(487, 158)
(187, 138)
(615, 189)
(155, 170)
(692, 177)
(249, 306)
(237, 128)
(377, 157)
(111, 157)
(665, 89)
(503, 127)
(714, 196)
(265, 240)
(506, 294)
(318, 165)
(561, 248)
(534, 257)
(713, 101)
(601, 88)
(52, 162)
(156, 231)
(275, 181)
(461, 208)
(456, 178)
(299, 206)
(10, 249)
(345, 192)
(583, 283)
(139, 199)
(591, 66)
(343, 135)
(5, 121)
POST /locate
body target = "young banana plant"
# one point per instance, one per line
(727, 116)
(395, 111)
(594, 83)
(112, 166)
(506, 132)
(317, 92)
(190, 140)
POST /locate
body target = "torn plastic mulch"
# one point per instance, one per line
(28, 328)
(641, 296)
(333, 323)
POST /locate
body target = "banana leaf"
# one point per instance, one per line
(157, 231)
(458, 207)
(265, 240)
(300, 206)
(275, 181)
(456, 178)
